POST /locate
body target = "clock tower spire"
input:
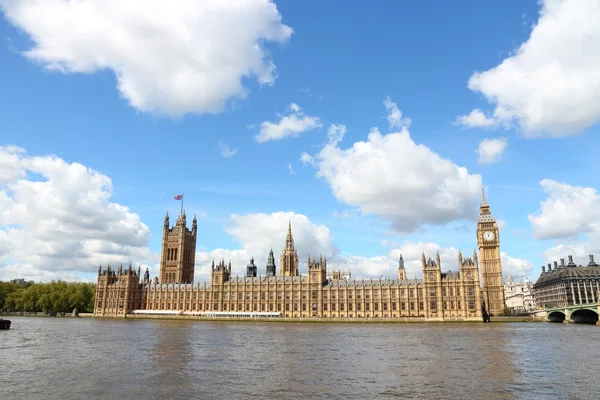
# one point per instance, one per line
(488, 241)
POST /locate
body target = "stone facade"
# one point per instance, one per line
(568, 285)
(178, 251)
(519, 296)
(438, 296)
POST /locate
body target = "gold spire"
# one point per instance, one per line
(289, 240)
(483, 199)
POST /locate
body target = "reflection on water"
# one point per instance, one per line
(122, 359)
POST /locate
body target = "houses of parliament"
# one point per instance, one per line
(469, 293)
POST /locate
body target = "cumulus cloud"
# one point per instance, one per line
(63, 223)
(398, 179)
(514, 266)
(551, 84)
(570, 216)
(477, 119)
(394, 116)
(226, 150)
(568, 211)
(307, 159)
(31, 273)
(491, 150)
(291, 125)
(257, 233)
(579, 250)
(169, 58)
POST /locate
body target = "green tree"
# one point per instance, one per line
(54, 297)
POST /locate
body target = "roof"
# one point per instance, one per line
(566, 272)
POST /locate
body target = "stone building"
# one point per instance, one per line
(438, 296)
(568, 284)
(519, 296)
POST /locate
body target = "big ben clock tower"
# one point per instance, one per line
(488, 242)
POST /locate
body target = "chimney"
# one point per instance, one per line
(555, 264)
(549, 267)
(543, 269)
(571, 263)
(592, 262)
(562, 262)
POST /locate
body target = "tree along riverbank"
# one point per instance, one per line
(54, 298)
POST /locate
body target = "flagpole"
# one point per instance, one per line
(181, 204)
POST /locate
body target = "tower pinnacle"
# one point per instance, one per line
(289, 240)
(289, 256)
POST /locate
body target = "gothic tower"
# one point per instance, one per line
(488, 241)
(271, 267)
(251, 269)
(401, 270)
(178, 253)
(289, 257)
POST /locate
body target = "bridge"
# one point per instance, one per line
(578, 313)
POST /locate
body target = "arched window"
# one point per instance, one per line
(176, 254)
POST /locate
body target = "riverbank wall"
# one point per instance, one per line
(317, 320)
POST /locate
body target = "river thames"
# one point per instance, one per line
(71, 358)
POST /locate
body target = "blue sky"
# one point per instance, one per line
(338, 66)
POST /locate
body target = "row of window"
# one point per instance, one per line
(296, 295)
(403, 306)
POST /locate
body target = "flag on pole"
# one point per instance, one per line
(180, 197)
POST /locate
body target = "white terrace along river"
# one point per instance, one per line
(91, 358)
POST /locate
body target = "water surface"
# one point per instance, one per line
(79, 358)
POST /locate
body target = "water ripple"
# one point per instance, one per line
(117, 359)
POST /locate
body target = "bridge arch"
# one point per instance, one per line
(556, 316)
(584, 316)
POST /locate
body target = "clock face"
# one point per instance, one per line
(488, 235)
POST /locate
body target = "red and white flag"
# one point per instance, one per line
(179, 197)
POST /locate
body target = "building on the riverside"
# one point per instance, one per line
(438, 296)
(519, 296)
(568, 284)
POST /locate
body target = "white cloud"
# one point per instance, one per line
(31, 273)
(394, 116)
(291, 125)
(477, 119)
(387, 265)
(335, 134)
(567, 212)
(579, 250)
(569, 215)
(397, 179)
(551, 84)
(226, 150)
(258, 233)
(501, 224)
(491, 150)
(63, 223)
(291, 169)
(515, 267)
(307, 159)
(169, 58)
